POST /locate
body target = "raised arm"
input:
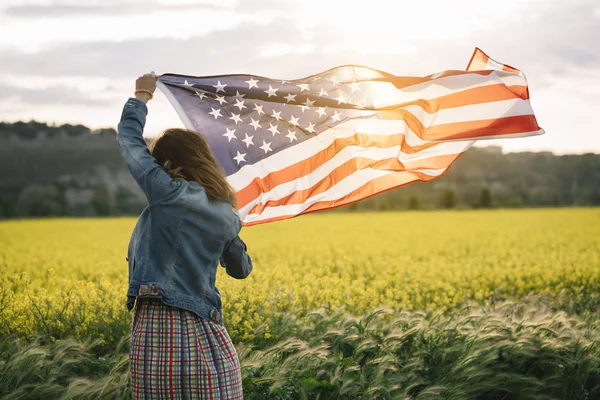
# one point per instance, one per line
(236, 261)
(149, 175)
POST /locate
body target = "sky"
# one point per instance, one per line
(66, 61)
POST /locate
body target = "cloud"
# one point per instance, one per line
(541, 41)
(564, 34)
(554, 43)
(58, 94)
(219, 52)
(106, 8)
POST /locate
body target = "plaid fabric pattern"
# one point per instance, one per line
(177, 355)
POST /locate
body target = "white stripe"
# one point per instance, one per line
(385, 94)
(472, 112)
(343, 188)
(308, 148)
(509, 135)
(348, 153)
(495, 65)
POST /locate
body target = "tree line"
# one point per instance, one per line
(72, 170)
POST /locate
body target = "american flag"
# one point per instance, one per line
(291, 147)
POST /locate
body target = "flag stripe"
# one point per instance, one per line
(370, 182)
(350, 167)
(373, 153)
(339, 152)
(402, 82)
(483, 128)
(385, 94)
(305, 157)
(481, 61)
(478, 61)
(489, 94)
(421, 122)
(305, 182)
(411, 126)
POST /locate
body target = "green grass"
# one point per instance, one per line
(513, 350)
(493, 304)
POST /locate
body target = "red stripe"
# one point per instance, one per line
(486, 127)
(402, 82)
(306, 166)
(465, 129)
(350, 167)
(471, 96)
(508, 68)
(376, 186)
(458, 130)
(468, 97)
(478, 60)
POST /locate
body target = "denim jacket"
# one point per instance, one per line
(179, 239)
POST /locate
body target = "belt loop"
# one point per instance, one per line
(215, 315)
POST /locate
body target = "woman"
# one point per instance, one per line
(179, 347)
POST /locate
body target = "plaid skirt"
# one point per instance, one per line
(175, 354)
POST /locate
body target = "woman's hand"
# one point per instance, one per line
(146, 82)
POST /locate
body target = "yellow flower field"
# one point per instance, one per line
(68, 277)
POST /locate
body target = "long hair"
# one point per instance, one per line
(185, 154)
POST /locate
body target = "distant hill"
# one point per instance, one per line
(82, 172)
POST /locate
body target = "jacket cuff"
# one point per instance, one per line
(137, 104)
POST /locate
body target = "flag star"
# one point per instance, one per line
(341, 99)
(321, 111)
(307, 104)
(303, 87)
(248, 140)
(276, 115)
(238, 94)
(215, 112)
(311, 128)
(219, 87)
(258, 109)
(200, 94)
(294, 120)
(291, 135)
(266, 147)
(230, 134)
(236, 118)
(355, 86)
(254, 124)
(240, 157)
(290, 97)
(252, 83)
(273, 128)
(271, 91)
(322, 93)
(334, 80)
(220, 99)
(185, 82)
(239, 104)
(336, 116)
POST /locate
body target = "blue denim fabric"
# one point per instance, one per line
(179, 239)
